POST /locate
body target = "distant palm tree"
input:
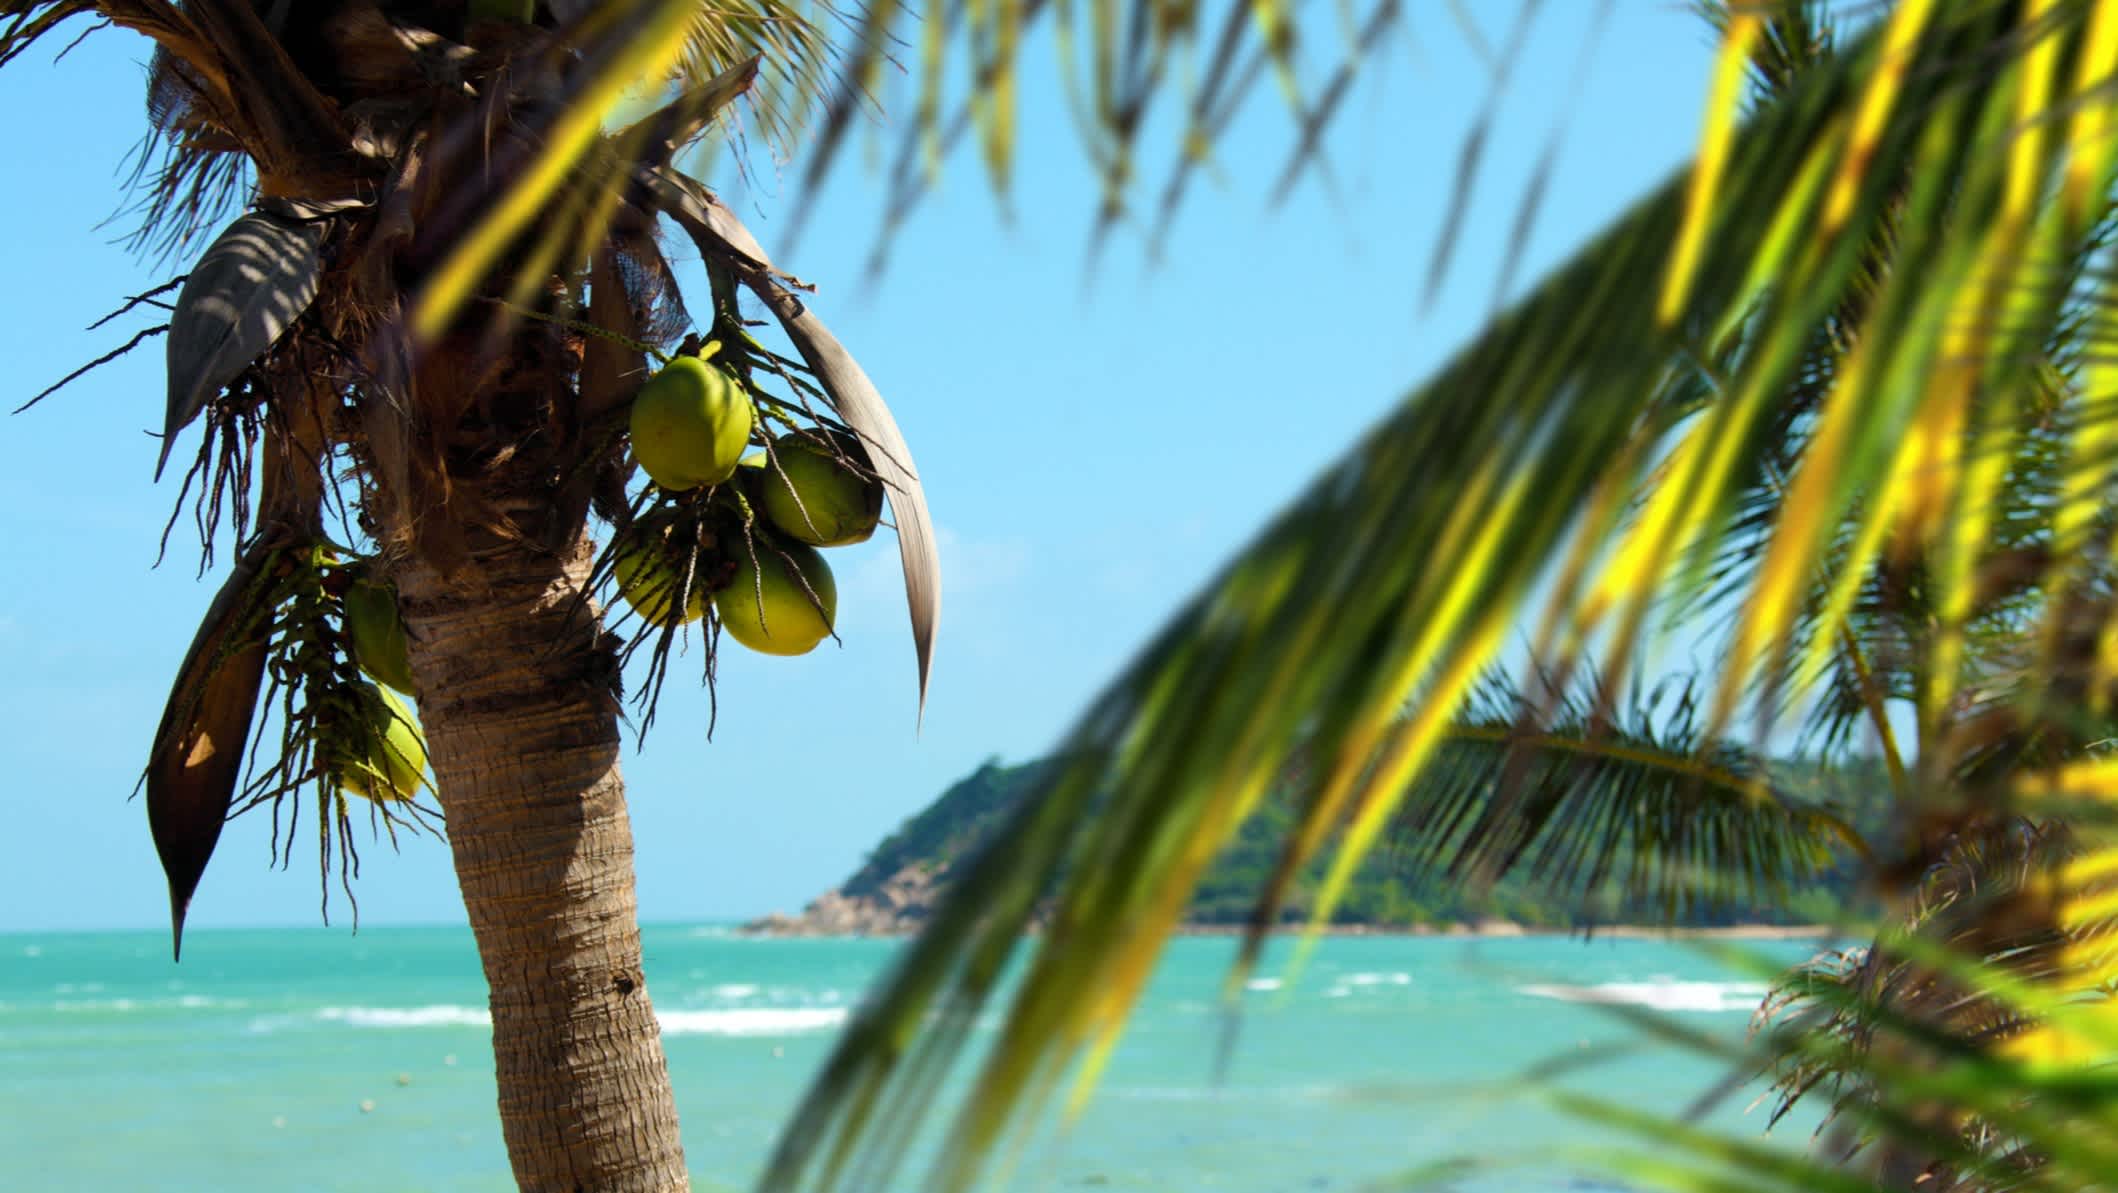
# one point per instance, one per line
(429, 322)
(1843, 382)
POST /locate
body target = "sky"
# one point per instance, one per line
(1095, 439)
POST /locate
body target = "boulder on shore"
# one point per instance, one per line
(899, 906)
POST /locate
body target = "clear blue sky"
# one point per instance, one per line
(1093, 445)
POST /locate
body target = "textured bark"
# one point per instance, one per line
(514, 693)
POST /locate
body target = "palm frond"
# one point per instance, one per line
(792, 39)
(1118, 63)
(776, 53)
(1392, 582)
(1967, 1049)
(1851, 996)
(188, 172)
(1615, 809)
(823, 69)
(1622, 809)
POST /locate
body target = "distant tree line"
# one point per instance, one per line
(1389, 891)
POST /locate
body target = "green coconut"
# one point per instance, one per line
(377, 634)
(393, 761)
(749, 481)
(766, 607)
(649, 582)
(690, 424)
(819, 498)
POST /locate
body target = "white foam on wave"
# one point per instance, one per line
(1263, 983)
(1376, 979)
(748, 1021)
(752, 1021)
(96, 1004)
(733, 990)
(1659, 994)
(188, 1002)
(430, 1016)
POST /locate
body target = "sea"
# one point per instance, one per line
(318, 1059)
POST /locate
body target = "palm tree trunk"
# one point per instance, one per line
(514, 676)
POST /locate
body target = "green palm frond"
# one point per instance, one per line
(1967, 1049)
(1129, 70)
(825, 69)
(1610, 809)
(791, 39)
(1915, 1042)
(1971, 130)
(1619, 808)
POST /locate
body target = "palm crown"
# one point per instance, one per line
(431, 285)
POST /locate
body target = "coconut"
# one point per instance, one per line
(817, 496)
(393, 760)
(649, 582)
(689, 425)
(766, 607)
(748, 484)
(377, 638)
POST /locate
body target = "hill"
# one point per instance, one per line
(895, 888)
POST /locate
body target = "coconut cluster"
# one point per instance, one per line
(388, 761)
(753, 553)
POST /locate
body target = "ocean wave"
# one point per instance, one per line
(1659, 994)
(430, 1016)
(74, 1005)
(752, 1021)
(188, 1002)
(1219, 1093)
(748, 1021)
(701, 996)
(1376, 979)
(1348, 985)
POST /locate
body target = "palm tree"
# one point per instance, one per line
(424, 331)
(1802, 384)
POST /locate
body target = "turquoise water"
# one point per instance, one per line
(311, 1059)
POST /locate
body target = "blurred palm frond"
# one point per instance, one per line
(1570, 454)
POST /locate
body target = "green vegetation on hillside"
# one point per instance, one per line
(1386, 892)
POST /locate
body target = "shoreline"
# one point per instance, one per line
(1483, 930)
(1509, 930)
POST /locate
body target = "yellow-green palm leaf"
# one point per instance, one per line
(1571, 442)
